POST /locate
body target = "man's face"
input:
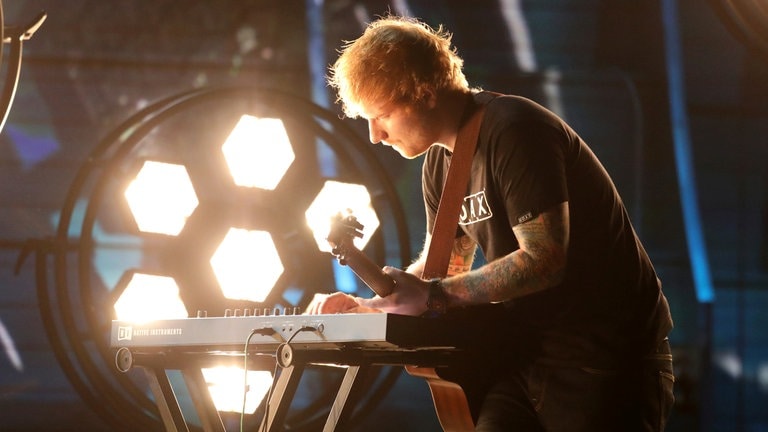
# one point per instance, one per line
(408, 130)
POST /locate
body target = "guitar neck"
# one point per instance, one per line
(370, 273)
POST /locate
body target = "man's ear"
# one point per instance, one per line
(430, 99)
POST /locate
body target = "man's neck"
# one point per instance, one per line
(454, 109)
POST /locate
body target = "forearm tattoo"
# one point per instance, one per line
(462, 256)
(537, 265)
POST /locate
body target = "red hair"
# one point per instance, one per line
(396, 60)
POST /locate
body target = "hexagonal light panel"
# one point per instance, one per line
(258, 152)
(161, 198)
(225, 384)
(247, 265)
(337, 197)
(150, 297)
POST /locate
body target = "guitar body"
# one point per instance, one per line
(450, 402)
(473, 370)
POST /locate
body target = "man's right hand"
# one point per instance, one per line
(337, 302)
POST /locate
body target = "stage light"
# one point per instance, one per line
(234, 243)
(337, 197)
(161, 198)
(227, 385)
(246, 265)
(258, 152)
(150, 297)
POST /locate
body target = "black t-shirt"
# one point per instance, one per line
(527, 160)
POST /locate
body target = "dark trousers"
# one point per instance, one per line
(636, 398)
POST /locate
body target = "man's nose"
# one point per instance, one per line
(375, 133)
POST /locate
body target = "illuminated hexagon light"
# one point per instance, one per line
(161, 198)
(225, 384)
(247, 265)
(258, 152)
(150, 297)
(337, 197)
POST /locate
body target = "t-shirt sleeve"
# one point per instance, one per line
(529, 167)
(431, 175)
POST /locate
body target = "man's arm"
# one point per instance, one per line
(538, 264)
(462, 256)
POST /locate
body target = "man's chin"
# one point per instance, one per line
(404, 154)
(410, 155)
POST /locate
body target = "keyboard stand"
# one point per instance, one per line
(292, 362)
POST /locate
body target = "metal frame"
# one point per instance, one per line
(15, 36)
(360, 364)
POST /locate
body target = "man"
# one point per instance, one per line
(579, 321)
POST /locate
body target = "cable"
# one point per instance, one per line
(245, 375)
(267, 331)
(274, 376)
(303, 329)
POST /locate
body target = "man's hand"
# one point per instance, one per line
(409, 296)
(337, 302)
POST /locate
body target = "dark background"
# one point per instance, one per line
(602, 64)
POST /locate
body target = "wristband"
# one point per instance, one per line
(437, 302)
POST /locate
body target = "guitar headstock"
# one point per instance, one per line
(344, 229)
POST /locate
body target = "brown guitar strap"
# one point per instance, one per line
(451, 404)
(447, 218)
